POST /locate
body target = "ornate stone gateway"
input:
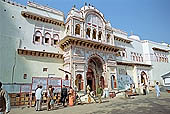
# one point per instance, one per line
(94, 73)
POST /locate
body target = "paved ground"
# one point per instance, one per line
(141, 104)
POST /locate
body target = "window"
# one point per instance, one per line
(133, 58)
(56, 39)
(88, 33)
(25, 76)
(66, 77)
(123, 54)
(37, 37)
(119, 54)
(77, 29)
(45, 69)
(99, 35)
(94, 33)
(108, 38)
(47, 38)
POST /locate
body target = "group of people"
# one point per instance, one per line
(50, 95)
(71, 95)
(99, 94)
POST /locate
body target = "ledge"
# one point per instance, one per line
(76, 41)
(41, 18)
(159, 49)
(122, 40)
(39, 53)
(132, 64)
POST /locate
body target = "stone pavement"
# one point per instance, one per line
(142, 104)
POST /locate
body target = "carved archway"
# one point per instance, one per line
(94, 72)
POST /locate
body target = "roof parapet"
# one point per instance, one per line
(14, 3)
(45, 8)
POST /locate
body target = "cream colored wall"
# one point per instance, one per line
(17, 32)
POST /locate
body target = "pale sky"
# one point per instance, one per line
(150, 19)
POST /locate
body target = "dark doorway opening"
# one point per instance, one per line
(89, 82)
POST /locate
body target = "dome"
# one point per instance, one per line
(135, 37)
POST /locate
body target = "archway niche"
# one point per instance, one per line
(79, 82)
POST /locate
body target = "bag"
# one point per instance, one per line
(51, 102)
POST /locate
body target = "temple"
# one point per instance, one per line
(37, 42)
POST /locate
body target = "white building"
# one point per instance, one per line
(36, 41)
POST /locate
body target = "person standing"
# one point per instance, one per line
(100, 93)
(71, 97)
(157, 89)
(52, 99)
(49, 97)
(88, 93)
(64, 94)
(38, 96)
(4, 101)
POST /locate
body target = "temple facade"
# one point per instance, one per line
(85, 49)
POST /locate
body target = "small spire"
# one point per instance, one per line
(89, 4)
(74, 6)
(85, 3)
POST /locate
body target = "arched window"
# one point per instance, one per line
(108, 38)
(47, 38)
(37, 37)
(123, 54)
(78, 82)
(88, 33)
(133, 57)
(100, 35)
(55, 39)
(77, 29)
(94, 33)
(66, 77)
(119, 53)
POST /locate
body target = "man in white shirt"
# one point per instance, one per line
(157, 89)
(38, 96)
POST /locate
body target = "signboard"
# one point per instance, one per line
(57, 89)
(12, 88)
(25, 88)
(54, 81)
(39, 81)
(66, 82)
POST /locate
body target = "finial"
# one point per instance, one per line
(89, 4)
(85, 4)
(74, 6)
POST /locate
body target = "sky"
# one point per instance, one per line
(149, 19)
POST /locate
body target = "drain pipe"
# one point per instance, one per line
(13, 69)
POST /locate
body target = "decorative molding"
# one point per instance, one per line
(41, 18)
(122, 39)
(39, 53)
(71, 40)
(159, 49)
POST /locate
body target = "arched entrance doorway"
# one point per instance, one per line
(94, 73)
(144, 83)
(144, 78)
(91, 79)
